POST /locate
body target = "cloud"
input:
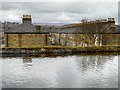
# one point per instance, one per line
(60, 0)
(62, 12)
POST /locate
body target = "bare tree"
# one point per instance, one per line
(94, 32)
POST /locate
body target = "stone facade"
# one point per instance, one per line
(84, 39)
(85, 34)
(111, 39)
(25, 34)
(11, 40)
(26, 40)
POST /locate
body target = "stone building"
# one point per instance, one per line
(93, 33)
(87, 33)
(25, 34)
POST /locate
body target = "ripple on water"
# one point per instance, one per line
(77, 71)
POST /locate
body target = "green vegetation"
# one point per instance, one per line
(80, 48)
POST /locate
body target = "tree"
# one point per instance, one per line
(93, 32)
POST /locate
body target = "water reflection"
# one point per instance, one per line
(27, 62)
(27, 59)
(84, 63)
(99, 70)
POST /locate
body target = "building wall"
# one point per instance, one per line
(11, 40)
(86, 39)
(118, 39)
(97, 39)
(31, 40)
(111, 39)
(73, 39)
(26, 40)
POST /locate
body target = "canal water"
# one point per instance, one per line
(98, 70)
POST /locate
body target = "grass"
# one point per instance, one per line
(108, 48)
(80, 47)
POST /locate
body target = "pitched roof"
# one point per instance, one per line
(21, 28)
(30, 28)
(118, 28)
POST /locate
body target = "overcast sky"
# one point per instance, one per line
(59, 12)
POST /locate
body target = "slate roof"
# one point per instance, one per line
(21, 28)
(30, 28)
(118, 28)
(74, 29)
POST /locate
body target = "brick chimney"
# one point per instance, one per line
(26, 19)
(111, 22)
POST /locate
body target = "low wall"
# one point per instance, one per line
(61, 49)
